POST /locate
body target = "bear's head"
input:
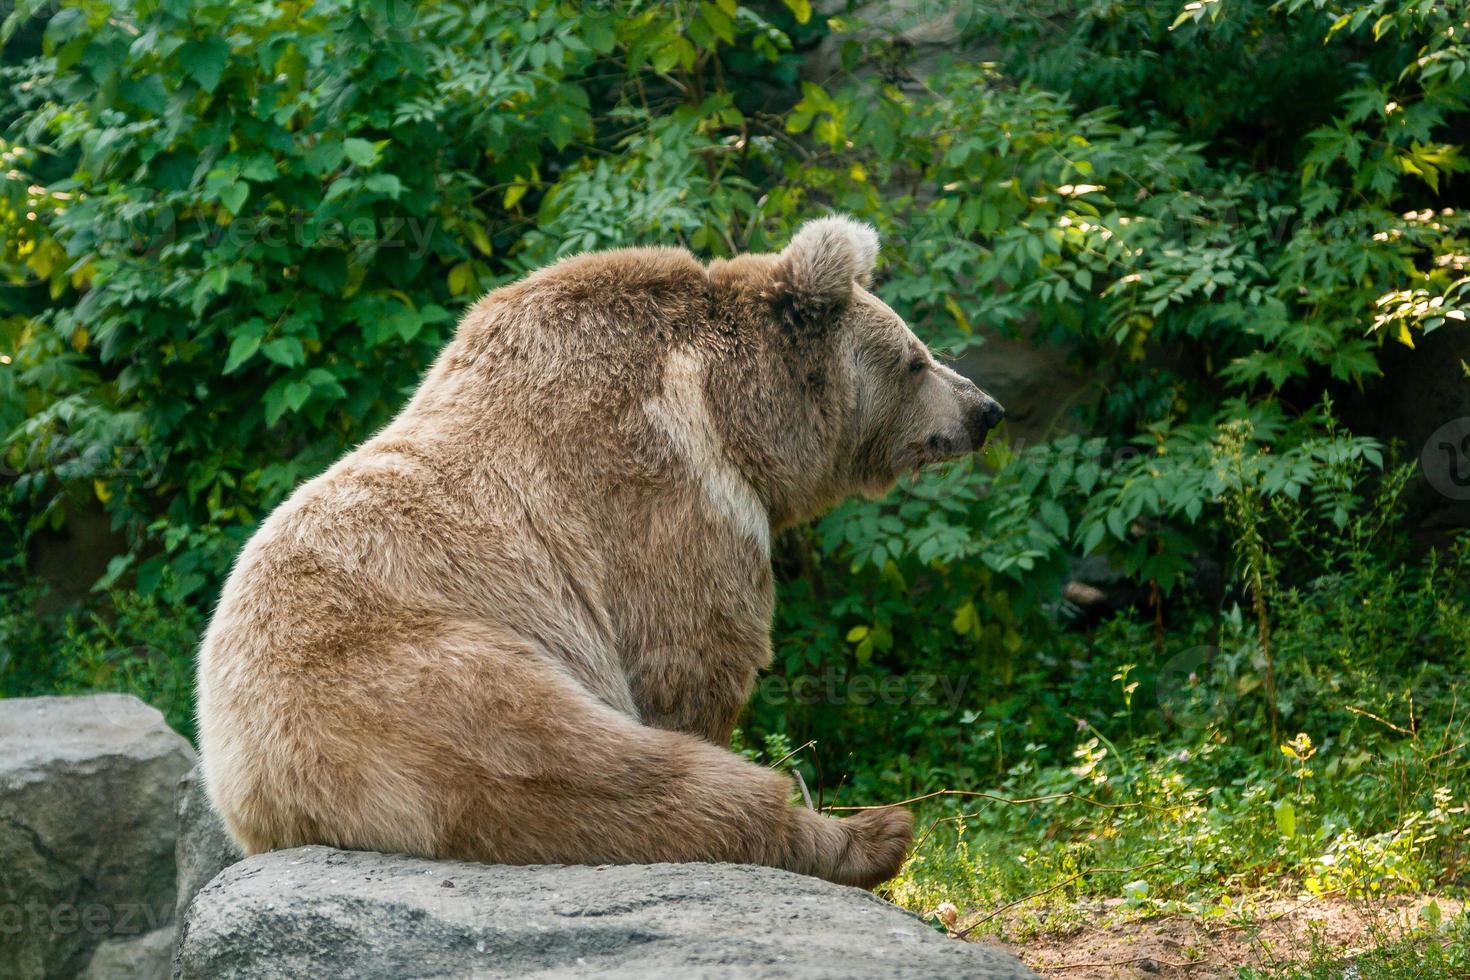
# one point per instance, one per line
(842, 397)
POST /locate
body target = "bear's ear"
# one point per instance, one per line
(823, 261)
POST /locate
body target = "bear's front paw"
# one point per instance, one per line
(877, 844)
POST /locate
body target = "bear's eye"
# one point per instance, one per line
(917, 365)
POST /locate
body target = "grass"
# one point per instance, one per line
(1214, 827)
(1393, 952)
(1099, 859)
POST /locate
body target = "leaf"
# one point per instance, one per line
(857, 634)
(150, 573)
(204, 61)
(666, 57)
(384, 184)
(514, 193)
(1054, 516)
(407, 323)
(966, 620)
(799, 120)
(297, 392)
(1286, 819)
(259, 168)
(477, 235)
(285, 351)
(341, 186)
(274, 403)
(233, 196)
(719, 21)
(324, 156)
(800, 9)
(1432, 916)
(242, 348)
(461, 279)
(360, 151)
(146, 93)
(597, 31)
(324, 385)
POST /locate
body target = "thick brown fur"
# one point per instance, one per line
(518, 624)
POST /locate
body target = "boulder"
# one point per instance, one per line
(204, 847)
(86, 828)
(315, 911)
(924, 33)
(145, 957)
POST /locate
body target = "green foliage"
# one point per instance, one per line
(255, 223)
(133, 643)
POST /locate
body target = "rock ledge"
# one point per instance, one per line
(315, 911)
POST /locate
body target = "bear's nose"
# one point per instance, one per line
(994, 412)
(985, 414)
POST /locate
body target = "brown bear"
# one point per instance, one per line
(519, 623)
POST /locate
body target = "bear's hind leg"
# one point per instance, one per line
(560, 777)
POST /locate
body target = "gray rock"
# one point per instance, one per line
(204, 848)
(927, 32)
(86, 828)
(145, 957)
(315, 911)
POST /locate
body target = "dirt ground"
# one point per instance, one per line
(1106, 943)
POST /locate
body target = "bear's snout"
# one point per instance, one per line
(982, 413)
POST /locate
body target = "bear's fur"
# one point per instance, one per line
(519, 623)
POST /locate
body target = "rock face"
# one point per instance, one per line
(145, 957)
(926, 32)
(86, 832)
(315, 911)
(204, 847)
